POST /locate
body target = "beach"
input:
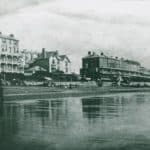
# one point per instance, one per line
(39, 92)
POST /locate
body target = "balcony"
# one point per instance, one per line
(15, 63)
(5, 53)
(3, 61)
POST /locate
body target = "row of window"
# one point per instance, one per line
(54, 68)
(9, 41)
(105, 62)
(9, 68)
(9, 60)
(14, 49)
(54, 62)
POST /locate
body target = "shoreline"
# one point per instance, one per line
(25, 93)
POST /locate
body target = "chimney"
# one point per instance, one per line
(11, 35)
(102, 53)
(43, 53)
(89, 53)
(56, 52)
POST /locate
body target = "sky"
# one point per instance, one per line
(74, 27)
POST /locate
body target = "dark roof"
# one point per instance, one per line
(62, 57)
(8, 37)
(42, 63)
(51, 53)
(100, 56)
(132, 62)
(91, 56)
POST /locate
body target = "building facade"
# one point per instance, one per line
(28, 57)
(10, 56)
(56, 62)
(101, 66)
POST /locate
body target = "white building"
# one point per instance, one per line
(10, 55)
(65, 64)
(28, 57)
(57, 62)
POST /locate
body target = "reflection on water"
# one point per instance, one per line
(119, 121)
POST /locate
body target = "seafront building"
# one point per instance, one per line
(96, 67)
(28, 57)
(56, 62)
(10, 62)
(52, 62)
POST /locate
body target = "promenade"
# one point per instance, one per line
(39, 93)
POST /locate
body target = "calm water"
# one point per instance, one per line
(117, 121)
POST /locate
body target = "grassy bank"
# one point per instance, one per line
(24, 93)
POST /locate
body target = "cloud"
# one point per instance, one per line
(109, 19)
(7, 6)
(116, 27)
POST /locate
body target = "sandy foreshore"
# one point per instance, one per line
(30, 93)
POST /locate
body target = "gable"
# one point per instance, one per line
(64, 57)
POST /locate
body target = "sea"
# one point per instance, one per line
(119, 121)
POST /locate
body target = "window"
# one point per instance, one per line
(14, 49)
(15, 42)
(10, 49)
(66, 64)
(53, 68)
(6, 48)
(67, 70)
(4, 40)
(53, 61)
(17, 50)
(86, 65)
(9, 41)
(103, 62)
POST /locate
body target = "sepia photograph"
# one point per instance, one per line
(74, 75)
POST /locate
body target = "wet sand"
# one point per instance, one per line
(27, 93)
